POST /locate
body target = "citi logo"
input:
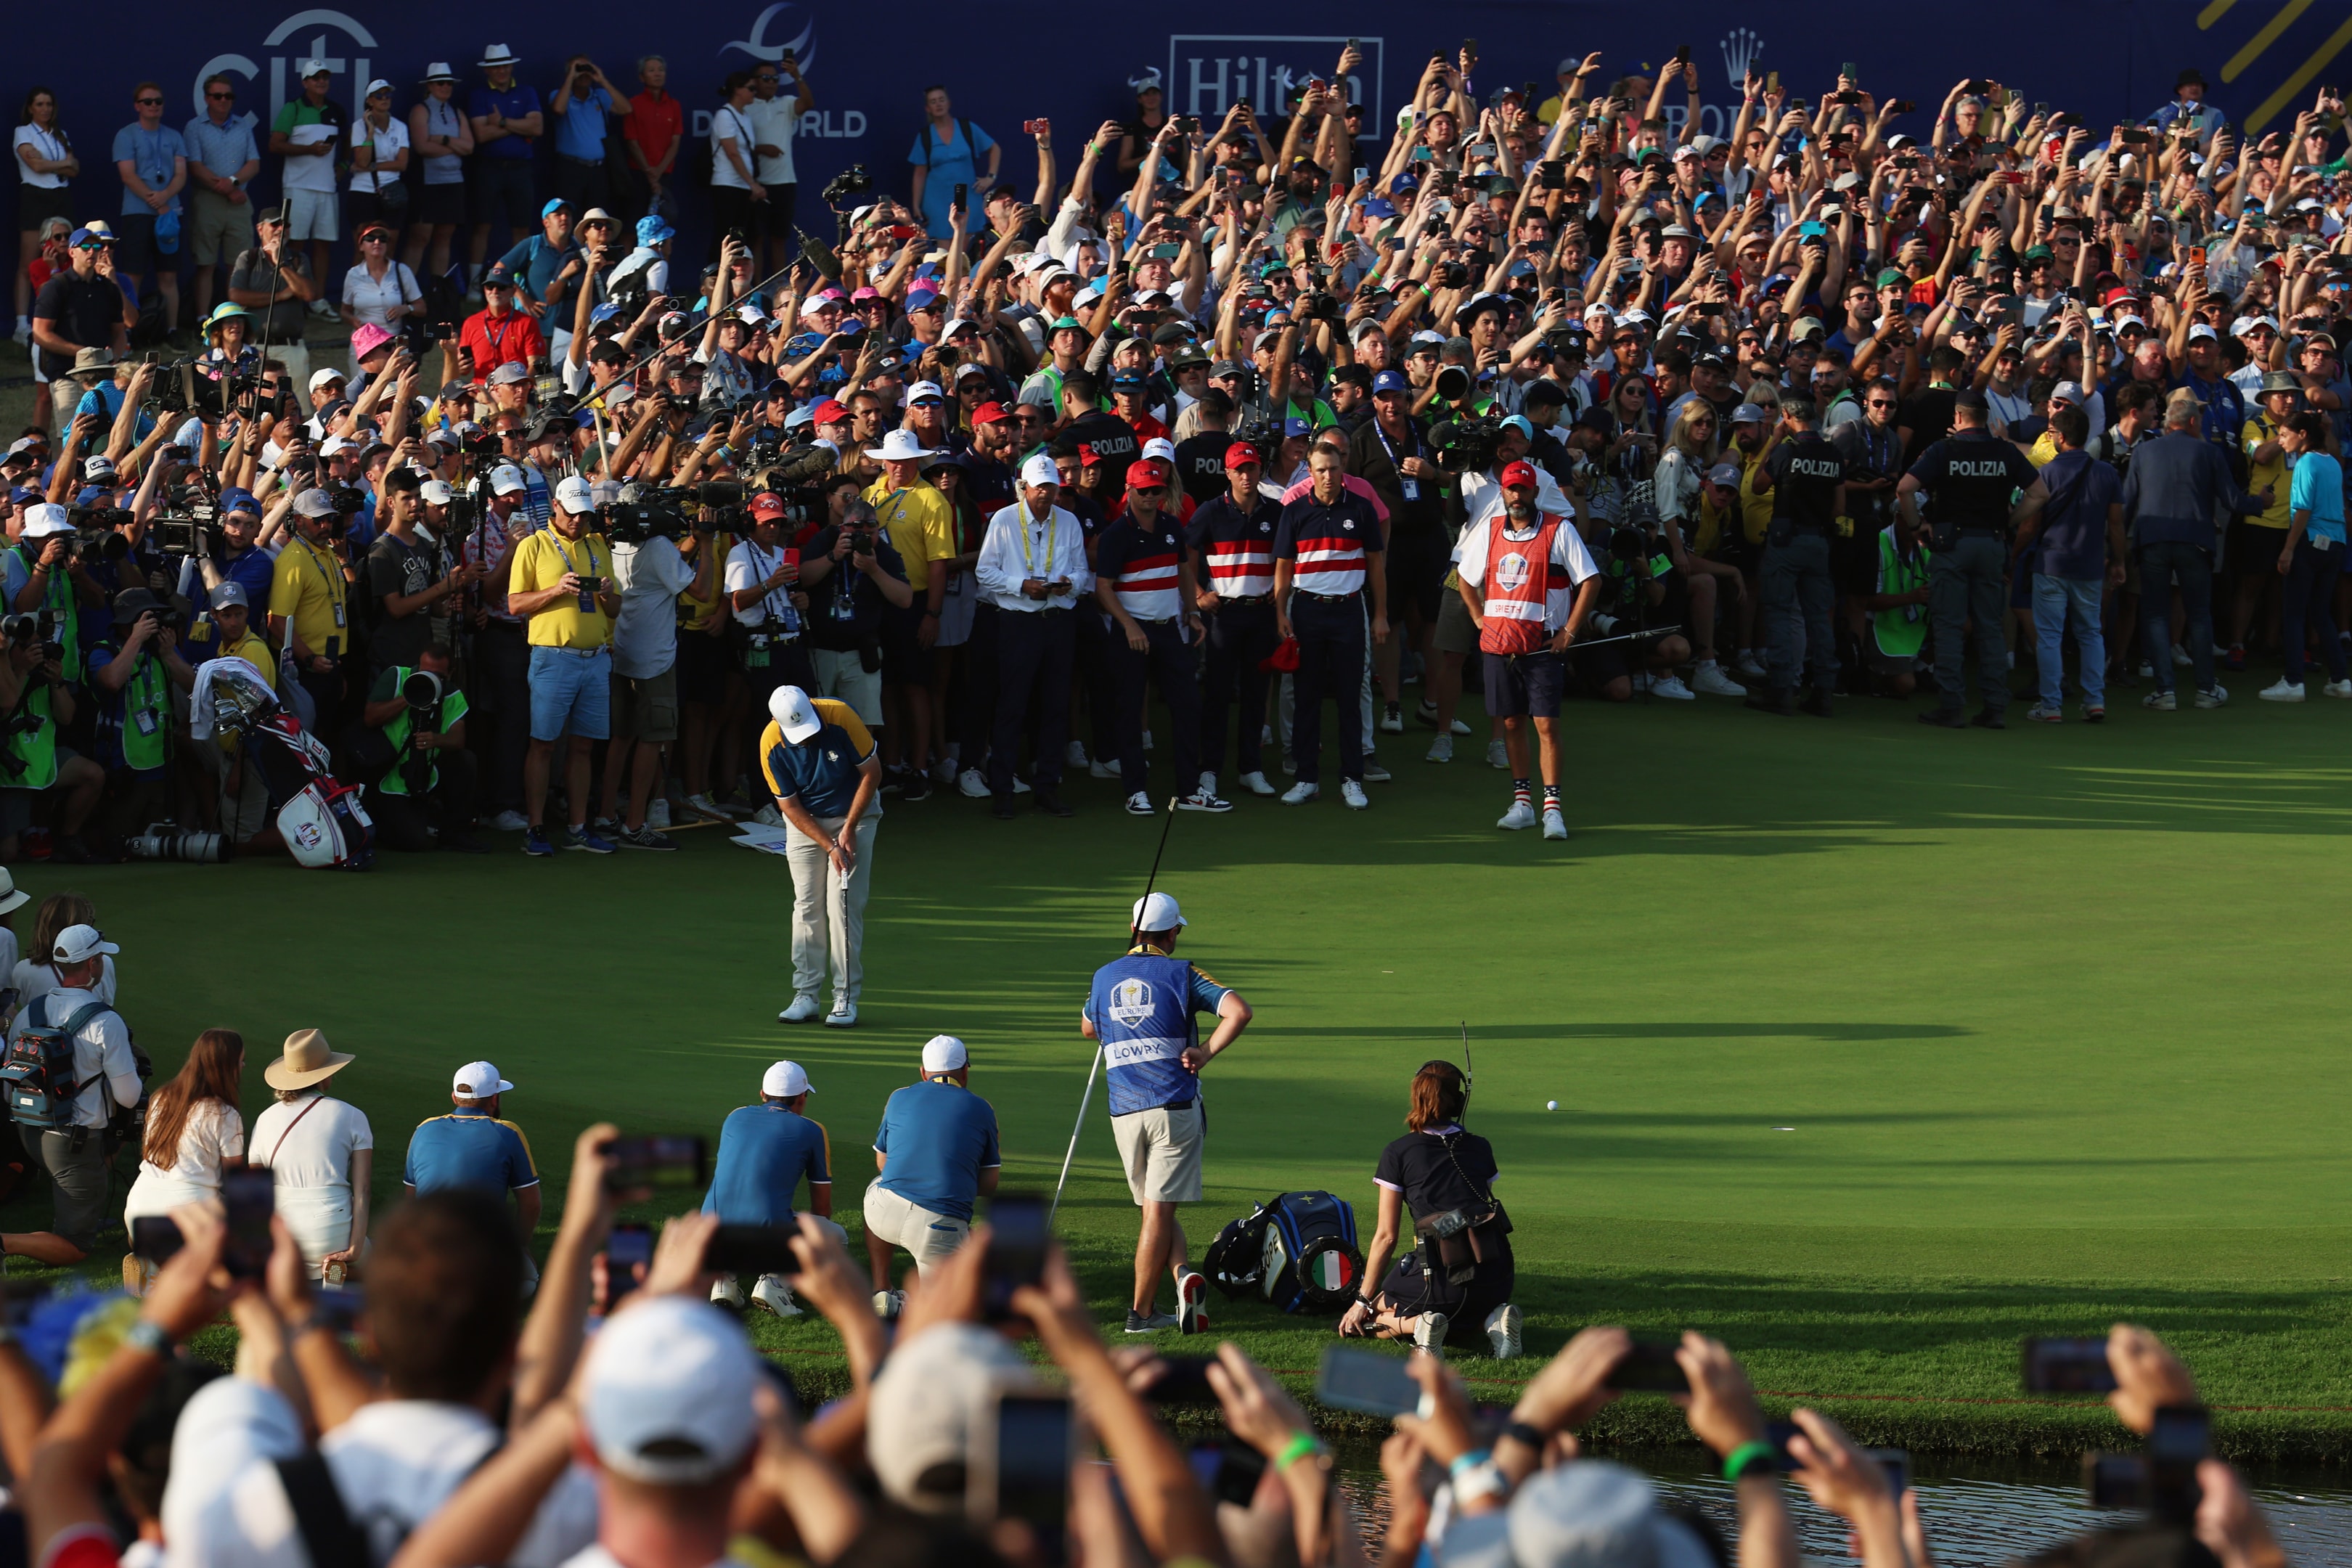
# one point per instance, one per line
(321, 45)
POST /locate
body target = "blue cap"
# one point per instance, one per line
(1391, 381)
(1296, 428)
(557, 204)
(603, 313)
(1519, 422)
(235, 499)
(79, 235)
(653, 230)
(90, 493)
(1402, 183)
(1378, 206)
(22, 494)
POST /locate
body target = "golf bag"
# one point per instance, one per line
(1296, 1251)
(320, 818)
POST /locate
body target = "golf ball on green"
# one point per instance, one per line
(1551, 1105)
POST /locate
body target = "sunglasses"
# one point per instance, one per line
(1880, 403)
(210, 92)
(1146, 489)
(147, 102)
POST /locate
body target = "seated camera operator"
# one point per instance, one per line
(429, 778)
(401, 575)
(850, 572)
(131, 676)
(44, 572)
(36, 700)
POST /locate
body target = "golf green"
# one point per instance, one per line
(1874, 1046)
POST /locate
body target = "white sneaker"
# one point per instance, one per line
(773, 1293)
(510, 822)
(1374, 772)
(1429, 1333)
(1020, 784)
(702, 805)
(1300, 793)
(1146, 739)
(2180, 659)
(973, 783)
(2214, 697)
(1204, 799)
(1503, 1325)
(1392, 719)
(769, 816)
(725, 1292)
(888, 1304)
(2281, 692)
(657, 815)
(23, 335)
(1138, 804)
(803, 1009)
(1672, 689)
(1555, 824)
(1749, 665)
(1521, 815)
(1256, 783)
(1709, 678)
(843, 1014)
(1101, 770)
(1441, 750)
(1353, 796)
(1497, 754)
(1076, 754)
(1192, 1304)
(2337, 688)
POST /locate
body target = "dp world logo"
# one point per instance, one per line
(1130, 1001)
(328, 36)
(772, 39)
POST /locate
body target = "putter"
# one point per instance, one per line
(1087, 1100)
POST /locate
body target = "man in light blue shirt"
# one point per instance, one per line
(222, 158)
(937, 1150)
(154, 164)
(584, 102)
(2312, 558)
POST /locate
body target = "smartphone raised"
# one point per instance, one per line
(1772, 81)
(752, 1249)
(1376, 1384)
(1650, 1367)
(2067, 1366)
(962, 194)
(1183, 1380)
(1017, 1239)
(658, 1160)
(249, 1200)
(1229, 1470)
(154, 1239)
(1896, 1463)
(629, 1247)
(338, 1308)
(1023, 1470)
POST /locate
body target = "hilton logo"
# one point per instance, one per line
(1208, 72)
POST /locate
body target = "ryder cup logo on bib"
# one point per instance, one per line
(1510, 571)
(1130, 1001)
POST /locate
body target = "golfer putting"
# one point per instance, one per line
(1142, 1009)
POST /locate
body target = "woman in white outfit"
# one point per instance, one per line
(195, 1134)
(322, 1152)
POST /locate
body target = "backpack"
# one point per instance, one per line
(1234, 1258)
(931, 149)
(38, 1069)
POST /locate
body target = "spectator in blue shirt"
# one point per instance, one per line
(937, 1150)
(2313, 557)
(471, 1147)
(764, 1152)
(222, 158)
(153, 162)
(507, 123)
(583, 103)
(946, 154)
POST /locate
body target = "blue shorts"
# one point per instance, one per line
(571, 689)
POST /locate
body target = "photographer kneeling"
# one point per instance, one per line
(131, 674)
(1461, 1271)
(36, 767)
(1639, 589)
(416, 734)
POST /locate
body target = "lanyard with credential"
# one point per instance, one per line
(1053, 520)
(333, 580)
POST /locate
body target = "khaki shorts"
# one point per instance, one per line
(1456, 632)
(646, 709)
(1161, 1150)
(843, 677)
(218, 228)
(931, 1238)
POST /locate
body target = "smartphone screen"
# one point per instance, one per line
(1228, 1470)
(1033, 1466)
(1367, 1381)
(1896, 1463)
(249, 1199)
(663, 1160)
(629, 1247)
(154, 1239)
(2067, 1366)
(1650, 1367)
(1016, 1249)
(1184, 1380)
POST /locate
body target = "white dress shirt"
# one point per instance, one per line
(1019, 547)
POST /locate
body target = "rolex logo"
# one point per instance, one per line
(1741, 48)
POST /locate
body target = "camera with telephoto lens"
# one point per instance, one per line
(853, 180)
(642, 513)
(164, 841)
(1467, 443)
(422, 691)
(27, 627)
(94, 530)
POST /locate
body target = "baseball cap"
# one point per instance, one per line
(668, 1393)
(508, 373)
(237, 499)
(478, 1080)
(989, 412)
(829, 412)
(1723, 474)
(1391, 381)
(78, 943)
(932, 1405)
(439, 492)
(767, 504)
(506, 479)
(1749, 413)
(573, 495)
(313, 66)
(229, 594)
(322, 375)
(784, 1080)
(496, 276)
(2203, 330)
(555, 205)
(789, 707)
(925, 392)
(944, 1053)
(1521, 472)
(1241, 454)
(1144, 472)
(1583, 1515)
(2069, 391)
(1038, 470)
(1158, 911)
(310, 503)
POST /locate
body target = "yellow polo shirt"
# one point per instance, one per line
(921, 525)
(307, 588)
(2271, 476)
(539, 562)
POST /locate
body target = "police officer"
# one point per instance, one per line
(1140, 1008)
(1805, 475)
(1232, 538)
(1143, 581)
(1973, 479)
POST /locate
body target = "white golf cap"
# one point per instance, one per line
(1038, 470)
(313, 66)
(314, 503)
(900, 447)
(927, 1411)
(478, 1080)
(669, 1394)
(46, 519)
(789, 707)
(925, 392)
(319, 378)
(11, 895)
(575, 494)
(76, 943)
(1158, 911)
(1161, 446)
(941, 1053)
(506, 479)
(438, 492)
(784, 1080)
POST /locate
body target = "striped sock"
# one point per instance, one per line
(1519, 792)
(1551, 797)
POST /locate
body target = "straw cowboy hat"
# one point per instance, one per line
(308, 1060)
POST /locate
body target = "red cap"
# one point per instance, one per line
(1146, 471)
(830, 412)
(2112, 295)
(766, 504)
(988, 414)
(1240, 453)
(1087, 456)
(1519, 473)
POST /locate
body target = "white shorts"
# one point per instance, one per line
(931, 1238)
(1161, 1150)
(310, 214)
(319, 1219)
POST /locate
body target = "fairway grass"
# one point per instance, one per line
(1876, 1047)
